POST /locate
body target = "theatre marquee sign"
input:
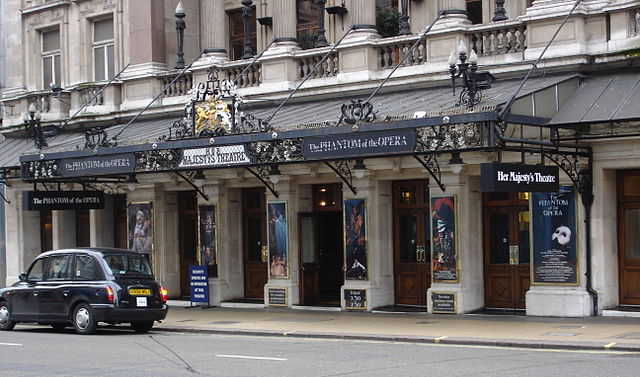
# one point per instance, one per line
(359, 144)
(228, 155)
(501, 177)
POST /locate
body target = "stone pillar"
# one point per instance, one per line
(455, 13)
(213, 33)
(363, 15)
(469, 289)
(23, 236)
(14, 69)
(102, 225)
(64, 229)
(146, 42)
(287, 192)
(379, 241)
(284, 22)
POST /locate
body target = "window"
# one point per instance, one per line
(36, 272)
(127, 264)
(59, 267)
(103, 61)
(307, 14)
(474, 11)
(46, 231)
(51, 63)
(83, 228)
(236, 33)
(86, 268)
(387, 18)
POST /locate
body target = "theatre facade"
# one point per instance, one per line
(503, 193)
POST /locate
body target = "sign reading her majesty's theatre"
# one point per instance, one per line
(499, 177)
(227, 155)
(98, 165)
(359, 143)
(555, 241)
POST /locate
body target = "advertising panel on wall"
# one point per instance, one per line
(207, 240)
(554, 241)
(140, 227)
(444, 258)
(355, 239)
(278, 239)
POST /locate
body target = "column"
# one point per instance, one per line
(363, 15)
(146, 42)
(14, 69)
(23, 236)
(455, 13)
(469, 287)
(102, 225)
(378, 219)
(284, 22)
(64, 229)
(287, 193)
(212, 24)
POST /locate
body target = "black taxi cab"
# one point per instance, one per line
(83, 287)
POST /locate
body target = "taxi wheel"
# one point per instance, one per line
(84, 320)
(5, 323)
(142, 327)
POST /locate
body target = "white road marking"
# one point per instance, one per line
(252, 357)
(11, 344)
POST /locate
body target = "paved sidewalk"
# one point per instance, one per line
(599, 333)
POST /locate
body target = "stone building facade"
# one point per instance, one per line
(101, 63)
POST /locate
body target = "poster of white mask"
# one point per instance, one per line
(555, 243)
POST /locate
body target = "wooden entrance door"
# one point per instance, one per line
(412, 245)
(187, 229)
(629, 236)
(255, 242)
(506, 245)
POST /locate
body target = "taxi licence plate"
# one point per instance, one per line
(140, 292)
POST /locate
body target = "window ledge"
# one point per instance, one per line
(44, 6)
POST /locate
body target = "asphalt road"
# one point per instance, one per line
(40, 351)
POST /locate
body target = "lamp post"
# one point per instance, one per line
(32, 123)
(403, 21)
(321, 41)
(180, 26)
(247, 50)
(500, 13)
(473, 81)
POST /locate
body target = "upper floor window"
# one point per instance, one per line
(236, 33)
(474, 11)
(51, 61)
(308, 13)
(103, 45)
(387, 18)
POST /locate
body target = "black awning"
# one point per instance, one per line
(605, 98)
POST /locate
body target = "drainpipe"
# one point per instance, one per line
(586, 194)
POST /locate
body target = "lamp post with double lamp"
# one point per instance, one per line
(473, 81)
(32, 123)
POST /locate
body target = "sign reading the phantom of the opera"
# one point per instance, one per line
(443, 302)
(63, 200)
(555, 240)
(499, 177)
(227, 155)
(98, 165)
(359, 143)
(355, 299)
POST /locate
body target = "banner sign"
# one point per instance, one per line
(97, 165)
(499, 177)
(278, 239)
(355, 239)
(359, 144)
(207, 238)
(63, 200)
(555, 257)
(228, 155)
(199, 284)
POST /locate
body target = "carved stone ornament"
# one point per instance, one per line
(357, 111)
(97, 137)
